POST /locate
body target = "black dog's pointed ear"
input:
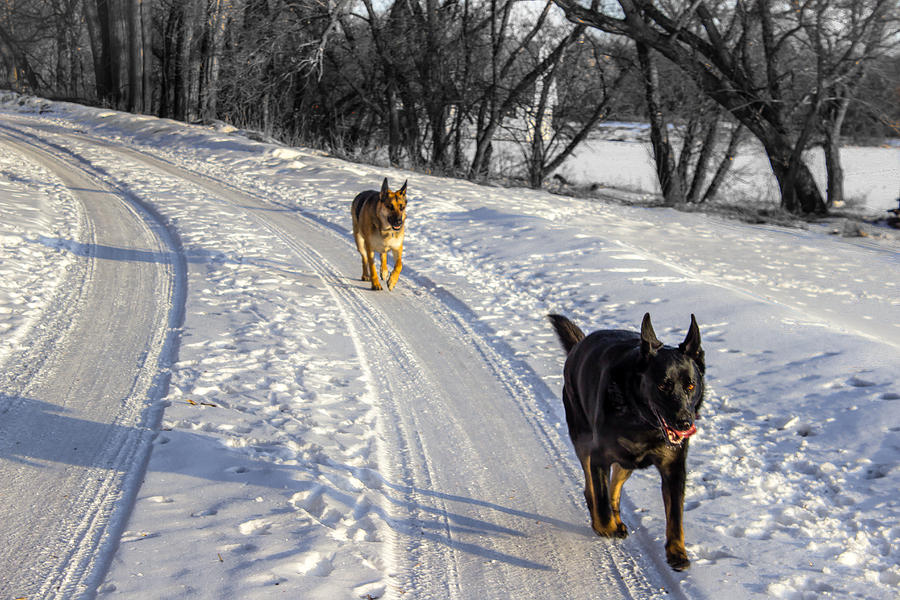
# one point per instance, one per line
(402, 191)
(384, 189)
(649, 343)
(691, 344)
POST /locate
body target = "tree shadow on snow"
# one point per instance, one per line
(191, 255)
(45, 435)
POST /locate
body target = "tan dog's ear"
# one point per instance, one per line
(384, 189)
(402, 191)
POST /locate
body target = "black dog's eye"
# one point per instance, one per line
(689, 387)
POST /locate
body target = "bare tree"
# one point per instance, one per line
(508, 77)
(218, 12)
(572, 97)
(842, 55)
(723, 63)
(671, 180)
(20, 29)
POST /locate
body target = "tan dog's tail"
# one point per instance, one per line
(568, 332)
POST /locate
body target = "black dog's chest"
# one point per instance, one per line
(625, 440)
(632, 451)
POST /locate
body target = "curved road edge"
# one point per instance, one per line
(71, 383)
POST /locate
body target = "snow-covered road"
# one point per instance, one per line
(74, 425)
(458, 500)
(319, 440)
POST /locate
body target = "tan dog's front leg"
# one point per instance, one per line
(361, 248)
(384, 270)
(398, 265)
(373, 274)
(365, 265)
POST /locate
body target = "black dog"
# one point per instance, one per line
(631, 403)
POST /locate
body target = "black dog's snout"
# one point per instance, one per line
(683, 420)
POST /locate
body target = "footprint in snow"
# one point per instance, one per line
(370, 591)
(136, 536)
(860, 382)
(707, 555)
(255, 527)
(316, 564)
(877, 471)
(314, 503)
(239, 548)
(160, 499)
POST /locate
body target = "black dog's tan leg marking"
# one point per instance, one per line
(673, 480)
(618, 479)
(384, 269)
(596, 493)
(398, 265)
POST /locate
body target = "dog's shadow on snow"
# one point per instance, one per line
(333, 488)
(44, 435)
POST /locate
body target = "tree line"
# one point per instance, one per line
(442, 84)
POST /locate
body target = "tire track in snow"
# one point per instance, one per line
(77, 426)
(441, 580)
(418, 494)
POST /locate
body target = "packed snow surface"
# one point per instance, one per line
(280, 430)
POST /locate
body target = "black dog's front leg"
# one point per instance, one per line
(596, 493)
(673, 479)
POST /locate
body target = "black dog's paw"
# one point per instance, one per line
(612, 530)
(678, 562)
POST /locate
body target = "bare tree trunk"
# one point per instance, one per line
(799, 192)
(392, 92)
(725, 164)
(99, 39)
(537, 160)
(493, 107)
(183, 62)
(146, 21)
(714, 67)
(135, 44)
(62, 56)
(834, 171)
(119, 55)
(168, 68)
(489, 112)
(216, 40)
(394, 137)
(670, 180)
(703, 160)
(20, 63)
(432, 75)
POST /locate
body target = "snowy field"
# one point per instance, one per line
(314, 439)
(871, 173)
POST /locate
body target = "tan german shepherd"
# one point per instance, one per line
(379, 221)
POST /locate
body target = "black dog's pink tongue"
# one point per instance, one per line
(688, 432)
(676, 437)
